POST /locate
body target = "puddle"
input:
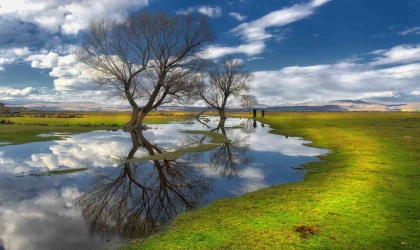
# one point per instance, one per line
(120, 198)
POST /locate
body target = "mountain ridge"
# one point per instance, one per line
(329, 106)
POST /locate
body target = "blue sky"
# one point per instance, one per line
(299, 51)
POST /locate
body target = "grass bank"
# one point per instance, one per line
(29, 126)
(364, 195)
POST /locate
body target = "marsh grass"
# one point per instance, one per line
(215, 140)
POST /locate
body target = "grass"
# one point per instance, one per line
(119, 118)
(215, 140)
(59, 172)
(25, 131)
(365, 194)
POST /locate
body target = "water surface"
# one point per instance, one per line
(119, 197)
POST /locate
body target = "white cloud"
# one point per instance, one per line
(210, 11)
(213, 12)
(414, 30)
(238, 16)
(397, 55)
(317, 3)
(8, 56)
(69, 74)
(377, 52)
(255, 33)
(255, 58)
(45, 61)
(21, 51)
(19, 92)
(67, 16)
(257, 29)
(342, 80)
(250, 49)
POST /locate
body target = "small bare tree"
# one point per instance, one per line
(248, 101)
(226, 79)
(149, 59)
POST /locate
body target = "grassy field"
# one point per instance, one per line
(27, 128)
(365, 194)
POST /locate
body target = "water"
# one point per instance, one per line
(117, 197)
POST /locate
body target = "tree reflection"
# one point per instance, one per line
(230, 156)
(249, 126)
(137, 198)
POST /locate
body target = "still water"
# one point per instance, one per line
(114, 197)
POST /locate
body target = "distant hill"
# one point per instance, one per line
(5, 109)
(319, 106)
(75, 106)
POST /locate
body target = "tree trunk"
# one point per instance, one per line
(221, 112)
(140, 117)
(221, 125)
(134, 115)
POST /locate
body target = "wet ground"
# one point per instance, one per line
(90, 190)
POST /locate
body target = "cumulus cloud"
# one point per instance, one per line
(69, 74)
(16, 33)
(10, 55)
(237, 16)
(342, 80)
(213, 12)
(414, 30)
(19, 92)
(47, 61)
(67, 16)
(397, 55)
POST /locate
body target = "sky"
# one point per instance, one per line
(298, 50)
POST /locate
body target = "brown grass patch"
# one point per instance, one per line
(305, 231)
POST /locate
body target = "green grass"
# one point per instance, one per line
(27, 132)
(215, 140)
(365, 194)
(59, 172)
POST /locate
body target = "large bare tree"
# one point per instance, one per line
(149, 59)
(226, 79)
(248, 101)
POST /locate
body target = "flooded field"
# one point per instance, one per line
(99, 189)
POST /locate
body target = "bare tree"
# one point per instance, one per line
(248, 101)
(148, 59)
(226, 79)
